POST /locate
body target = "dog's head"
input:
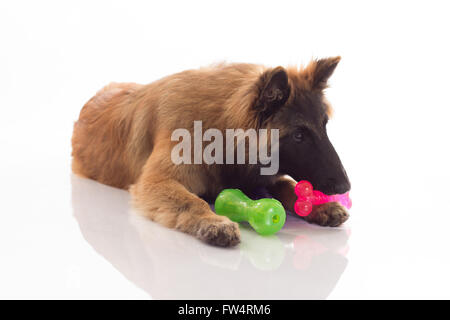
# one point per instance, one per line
(293, 101)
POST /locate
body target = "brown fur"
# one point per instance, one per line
(122, 139)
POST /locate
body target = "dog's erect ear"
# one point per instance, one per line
(274, 91)
(322, 70)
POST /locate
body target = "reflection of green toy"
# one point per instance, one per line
(266, 216)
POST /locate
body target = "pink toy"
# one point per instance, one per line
(307, 197)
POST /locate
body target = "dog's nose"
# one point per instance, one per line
(333, 186)
(341, 188)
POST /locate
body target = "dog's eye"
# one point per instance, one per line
(298, 135)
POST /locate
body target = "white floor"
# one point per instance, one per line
(66, 237)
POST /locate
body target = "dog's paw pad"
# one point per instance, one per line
(330, 214)
(220, 233)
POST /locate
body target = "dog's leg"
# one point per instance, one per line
(284, 191)
(169, 203)
(330, 214)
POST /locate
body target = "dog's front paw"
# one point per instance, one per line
(219, 232)
(330, 214)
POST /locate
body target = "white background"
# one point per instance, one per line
(66, 237)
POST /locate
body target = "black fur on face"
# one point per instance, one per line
(306, 152)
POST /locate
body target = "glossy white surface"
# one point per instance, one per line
(62, 236)
(299, 262)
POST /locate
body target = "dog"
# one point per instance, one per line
(123, 138)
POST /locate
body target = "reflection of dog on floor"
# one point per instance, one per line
(149, 255)
(123, 139)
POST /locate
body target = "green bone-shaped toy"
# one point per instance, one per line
(266, 216)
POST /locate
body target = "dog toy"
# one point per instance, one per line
(307, 197)
(266, 216)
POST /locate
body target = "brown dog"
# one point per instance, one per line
(123, 139)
